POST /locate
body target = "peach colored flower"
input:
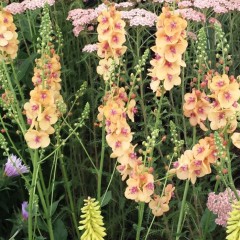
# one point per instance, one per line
(140, 187)
(236, 139)
(6, 18)
(229, 95)
(219, 83)
(170, 81)
(48, 117)
(182, 165)
(168, 192)
(201, 150)
(163, 39)
(105, 68)
(159, 205)
(174, 51)
(44, 97)
(5, 36)
(220, 118)
(131, 109)
(36, 139)
(119, 143)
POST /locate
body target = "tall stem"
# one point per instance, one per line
(99, 183)
(180, 220)
(69, 194)
(140, 219)
(32, 193)
(179, 226)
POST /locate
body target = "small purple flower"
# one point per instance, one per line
(24, 210)
(14, 167)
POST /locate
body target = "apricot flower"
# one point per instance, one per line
(140, 187)
(5, 36)
(36, 139)
(236, 139)
(159, 205)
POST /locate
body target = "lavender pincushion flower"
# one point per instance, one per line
(14, 167)
(24, 210)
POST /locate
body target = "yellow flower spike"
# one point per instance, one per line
(233, 223)
(92, 221)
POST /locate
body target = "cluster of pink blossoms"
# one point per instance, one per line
(218, 6)
(190, 9)
(17, 8)
(221, 205)
(82, 18)
(192, 14)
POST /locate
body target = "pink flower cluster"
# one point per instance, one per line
(191, 14)
(139, 17)
(221, 204)
(89, 48)
(81, 18)
(17, 8)
(218, 6)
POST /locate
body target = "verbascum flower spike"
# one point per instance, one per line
(233, 223)
(92, 221)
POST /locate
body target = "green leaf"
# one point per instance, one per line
(60, 231)
(105, 198)
(208, 221)
(23, 68)
(54, 205)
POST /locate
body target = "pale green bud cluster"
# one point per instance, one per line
(85, 115)
(202, 47)
(221, 40)
(92, 221)
(59, 37)
(142, 62)
(151, 142)
(178, 144)
(4, 145)
(221, 149)
(80, 92)
(222, 47)
(46, 32)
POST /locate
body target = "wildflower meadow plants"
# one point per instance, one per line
(119, 120)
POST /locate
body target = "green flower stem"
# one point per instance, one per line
(30, 28)
(69, 195)
(36, 184)
(165, 182)
(20, 121)
(10, 139)
(32, 193)
(230, 178)
(140, 219)
(183, 93)
(99, 177)
(43, 186)
(46, 211)
(60, 145)
(109, 183)
(80, 141)
(17, 83)
(180, 220)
